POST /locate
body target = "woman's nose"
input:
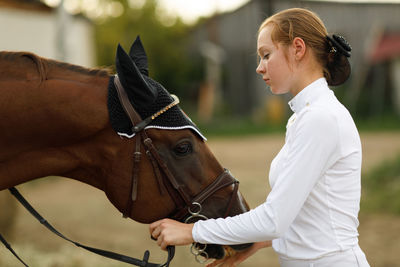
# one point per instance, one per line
(260, 68)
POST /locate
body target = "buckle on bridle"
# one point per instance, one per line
(194, 214)
(197, 249)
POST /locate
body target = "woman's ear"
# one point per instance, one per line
(299, 48)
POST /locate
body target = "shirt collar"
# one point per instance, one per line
(310, 93)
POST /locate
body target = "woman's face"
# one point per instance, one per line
(274, 67)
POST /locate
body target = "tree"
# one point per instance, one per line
(166, 46)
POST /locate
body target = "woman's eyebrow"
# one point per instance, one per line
(261, 49)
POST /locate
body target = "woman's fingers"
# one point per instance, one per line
(170, 232)
(154, 228)
(156, 233)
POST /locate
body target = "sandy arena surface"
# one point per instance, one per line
(84, 213)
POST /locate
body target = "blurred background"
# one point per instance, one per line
(205, 52)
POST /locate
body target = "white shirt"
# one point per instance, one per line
(313, 205)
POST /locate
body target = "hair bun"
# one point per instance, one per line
(338, 63)
(339, 44)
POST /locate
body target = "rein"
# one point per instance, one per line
(188, 209)
(108, 254)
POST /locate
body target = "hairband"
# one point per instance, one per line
(339, 44)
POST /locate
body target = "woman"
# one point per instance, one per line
(310, 215)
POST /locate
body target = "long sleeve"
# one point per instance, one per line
(311, 147)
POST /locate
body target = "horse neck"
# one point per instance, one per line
(100, 159)
(54, 127)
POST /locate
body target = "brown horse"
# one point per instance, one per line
(66, 120)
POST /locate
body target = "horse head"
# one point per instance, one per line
(196, 175)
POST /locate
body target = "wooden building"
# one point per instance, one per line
(30, 25)
(363, 24)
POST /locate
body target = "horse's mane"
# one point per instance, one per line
(80, 69)
(44, 65)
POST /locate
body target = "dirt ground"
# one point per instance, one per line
(85, 215)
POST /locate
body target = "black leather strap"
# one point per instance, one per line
(108, 254)
(8, 246)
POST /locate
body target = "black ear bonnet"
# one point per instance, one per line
(146, 95)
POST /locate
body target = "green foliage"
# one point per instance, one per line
(387, 122)
(166, 46)
(381, 188)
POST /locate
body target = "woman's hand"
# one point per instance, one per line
(234, 260)
(168, 232)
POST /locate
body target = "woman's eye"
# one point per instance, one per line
(266, 56)
(183, 149)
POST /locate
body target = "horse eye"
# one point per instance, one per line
(183, 149)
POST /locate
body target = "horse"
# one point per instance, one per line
(124, 134)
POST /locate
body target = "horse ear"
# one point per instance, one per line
(138, 90)
(138, 55)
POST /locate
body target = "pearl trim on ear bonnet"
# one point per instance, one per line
(173, 119)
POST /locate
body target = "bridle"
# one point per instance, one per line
(188, 209)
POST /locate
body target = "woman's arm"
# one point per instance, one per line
(170, 232)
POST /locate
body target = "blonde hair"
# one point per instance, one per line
(299, 22)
